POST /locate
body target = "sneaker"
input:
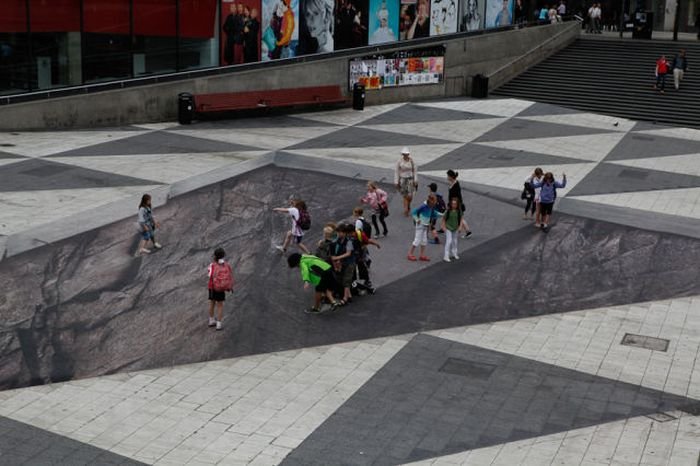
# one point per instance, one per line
(212, 322)
(537, 225)
(280, 249)
(456, 257)
(157, 245)
(447, 259)
(412, 258)
(314, 310)
(219, 325)
(142, 251)
(424, 258)
(468, 234)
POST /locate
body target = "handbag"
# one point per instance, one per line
(384, 207)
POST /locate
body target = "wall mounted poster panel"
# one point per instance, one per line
(443, 17)
(316, 26)
(351, 20)
(280, 29)
(383, 21)
(471, 15)
(415, 19)
(499, 13)
(424, 66)
(240, 26)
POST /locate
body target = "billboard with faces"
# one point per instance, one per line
(471, 15)
(351, 23)
(280, 29)
(414, 19)
(383, 21)
(499, 13)
(443, 17)
(316, 25)
(240, 31)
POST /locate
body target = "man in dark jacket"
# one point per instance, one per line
(680, 66)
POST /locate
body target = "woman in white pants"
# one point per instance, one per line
(451, 221)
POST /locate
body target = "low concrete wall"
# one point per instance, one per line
(464, 57)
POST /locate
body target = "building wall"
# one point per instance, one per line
(464, 57)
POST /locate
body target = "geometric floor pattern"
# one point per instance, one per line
(536, 388)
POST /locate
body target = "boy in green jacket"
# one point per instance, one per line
(317, 272)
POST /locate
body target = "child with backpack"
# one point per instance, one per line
(440, 207)
(344, 254)
(316, 272)
(220, 281)
(548, 194)
(363, 234)
(147, 226)
(301, 221)
(451, 222)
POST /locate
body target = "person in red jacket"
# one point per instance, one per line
(661, 71)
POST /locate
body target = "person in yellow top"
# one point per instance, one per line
(287, 29)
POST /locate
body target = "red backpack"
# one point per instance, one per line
(221, 277)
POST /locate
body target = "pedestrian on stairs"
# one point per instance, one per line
(680, 66)
(661, 71)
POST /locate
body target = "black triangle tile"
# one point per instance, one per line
(9, 155)
(42, 174)
(648, 125)
(609, 178)
(438, 397)
(516, 128)
(641, 145)
(472, 156)
(155, 142)
(364, 137)
(542, 109)
(421, 114)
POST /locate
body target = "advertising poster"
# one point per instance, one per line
(240, 28)
(443, 17)
(383, 21)
(471, 15)
(351, 21)
(280, 29)
(424, 66)
(316, 26)
(499, 13)
(415, 19)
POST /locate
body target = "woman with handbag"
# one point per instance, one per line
(377, 199)
(406, 179)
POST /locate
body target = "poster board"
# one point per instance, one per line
(416, 67)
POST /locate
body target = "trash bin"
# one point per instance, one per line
(643, 25)
(185, 108)
(480, 86)
(358, 96)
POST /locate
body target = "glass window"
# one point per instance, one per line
(14, 48)
(107, 44)
(55, 26)
(155, 38)
(199, 34)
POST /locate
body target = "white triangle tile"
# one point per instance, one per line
(160, 126)
(264, 138)
(687, 164)
(514, 177)
(4, 162)
(51, 205)
(383, 157)
(165, 168)
(683, 202)
(587, 120)
(593, 148)
(496, 107)
(462, 131)
(40, 144)
(348, 116)
(681, 133)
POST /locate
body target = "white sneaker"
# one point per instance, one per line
(212, 321)
(157, 245)
(447, 259)
(219, 326)
(280, 249)
(456, 257)
(142, 251)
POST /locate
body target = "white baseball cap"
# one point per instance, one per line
(405, 151)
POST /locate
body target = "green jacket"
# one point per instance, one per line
(311, 268)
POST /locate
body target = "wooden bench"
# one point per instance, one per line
(250, 100)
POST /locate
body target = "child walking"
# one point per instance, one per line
(147, 225)
(377, 199)
(299, 214)
(548, 195)
(451, 222)
(220, 281)
(422, 216)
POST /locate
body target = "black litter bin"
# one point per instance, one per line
(185, 108)
(480, 86)
(643, 25)
(358, 96)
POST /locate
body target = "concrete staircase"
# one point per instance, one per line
(614, 77)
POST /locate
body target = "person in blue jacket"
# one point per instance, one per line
(548, 194)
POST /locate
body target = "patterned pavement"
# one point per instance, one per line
(540, 387)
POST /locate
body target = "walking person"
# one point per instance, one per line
(422, 215)
(377, 199)
(536, 175)
(661, 70)
(344, 257)
(440, 207)
(548, 195)
(147, 226)
(451, 222)
(300, 221)
(680, 66)
(220, 281)
(316, 272)
(455, 190)
(406, 179)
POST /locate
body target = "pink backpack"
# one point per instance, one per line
(222, 277)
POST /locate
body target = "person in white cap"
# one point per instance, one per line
(406, 179)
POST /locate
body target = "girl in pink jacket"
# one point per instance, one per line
(377, 200)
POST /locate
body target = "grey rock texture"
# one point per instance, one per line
(85, 307)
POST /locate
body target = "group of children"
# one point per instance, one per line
(539, 193)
